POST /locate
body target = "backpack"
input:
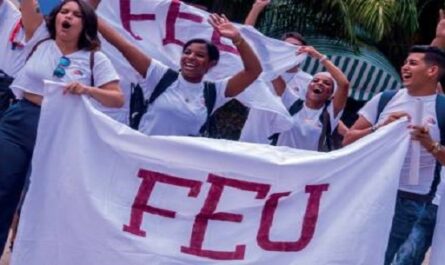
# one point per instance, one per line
(139, 105)
(7, 98)
(440, 112)
(325, 142)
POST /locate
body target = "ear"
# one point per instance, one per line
(433, 71)
(212, 64)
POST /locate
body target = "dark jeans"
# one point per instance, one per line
(18, 129)
(411, 232)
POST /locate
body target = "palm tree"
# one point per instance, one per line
(391, 25)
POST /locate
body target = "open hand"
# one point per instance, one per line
(224, 27)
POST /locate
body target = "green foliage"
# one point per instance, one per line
(350, 20)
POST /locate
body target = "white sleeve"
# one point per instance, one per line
(154, 74)
(103, 70)
(334, 120)
(288, 97)
(369, 111)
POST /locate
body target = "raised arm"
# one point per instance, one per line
(439, 40)
(135, 56)
(31, 17)
(255, 11)
(252, 67)
(341, 94)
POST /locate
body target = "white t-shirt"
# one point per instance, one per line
(180, 109)
(13, 57)
(44, 61)
(402, 101)
(261, 124)
(307, 126)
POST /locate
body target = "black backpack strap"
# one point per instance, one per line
(210, 100)
(6, 95)
(325, 141)
(167, 79)
(34, 48)
(296, 107)
(440, 112)
(139, 106)
(383, 101)
(92, 67)
(293, 109)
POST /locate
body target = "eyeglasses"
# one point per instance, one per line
(60, 69)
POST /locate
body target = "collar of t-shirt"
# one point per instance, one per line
(423, 98)
(309, 113)
(189, 90)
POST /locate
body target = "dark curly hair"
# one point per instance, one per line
(88, 39)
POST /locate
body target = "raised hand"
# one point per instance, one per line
(440, 29)
(262, 3)
(225, 27)
(311, 51)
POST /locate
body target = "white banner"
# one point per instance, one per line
(102, 194)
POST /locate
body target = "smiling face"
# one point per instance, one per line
(320, 89)
(195, 62)
(415, 72)
(69, 22)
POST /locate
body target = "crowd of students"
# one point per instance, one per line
(65, 47)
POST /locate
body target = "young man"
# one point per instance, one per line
(422, 70)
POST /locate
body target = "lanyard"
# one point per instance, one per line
(12, 37)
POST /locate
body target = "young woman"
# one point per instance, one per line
(180, 109)
(68, 53)
(318, 114)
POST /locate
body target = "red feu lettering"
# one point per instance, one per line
(140, 204)
(208, 213)
(127, 17)
(172, 15)
(309, 221)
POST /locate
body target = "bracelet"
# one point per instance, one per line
(238, 41)
(323, 58)
(436, 148)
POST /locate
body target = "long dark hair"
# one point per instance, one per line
(88, 39)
